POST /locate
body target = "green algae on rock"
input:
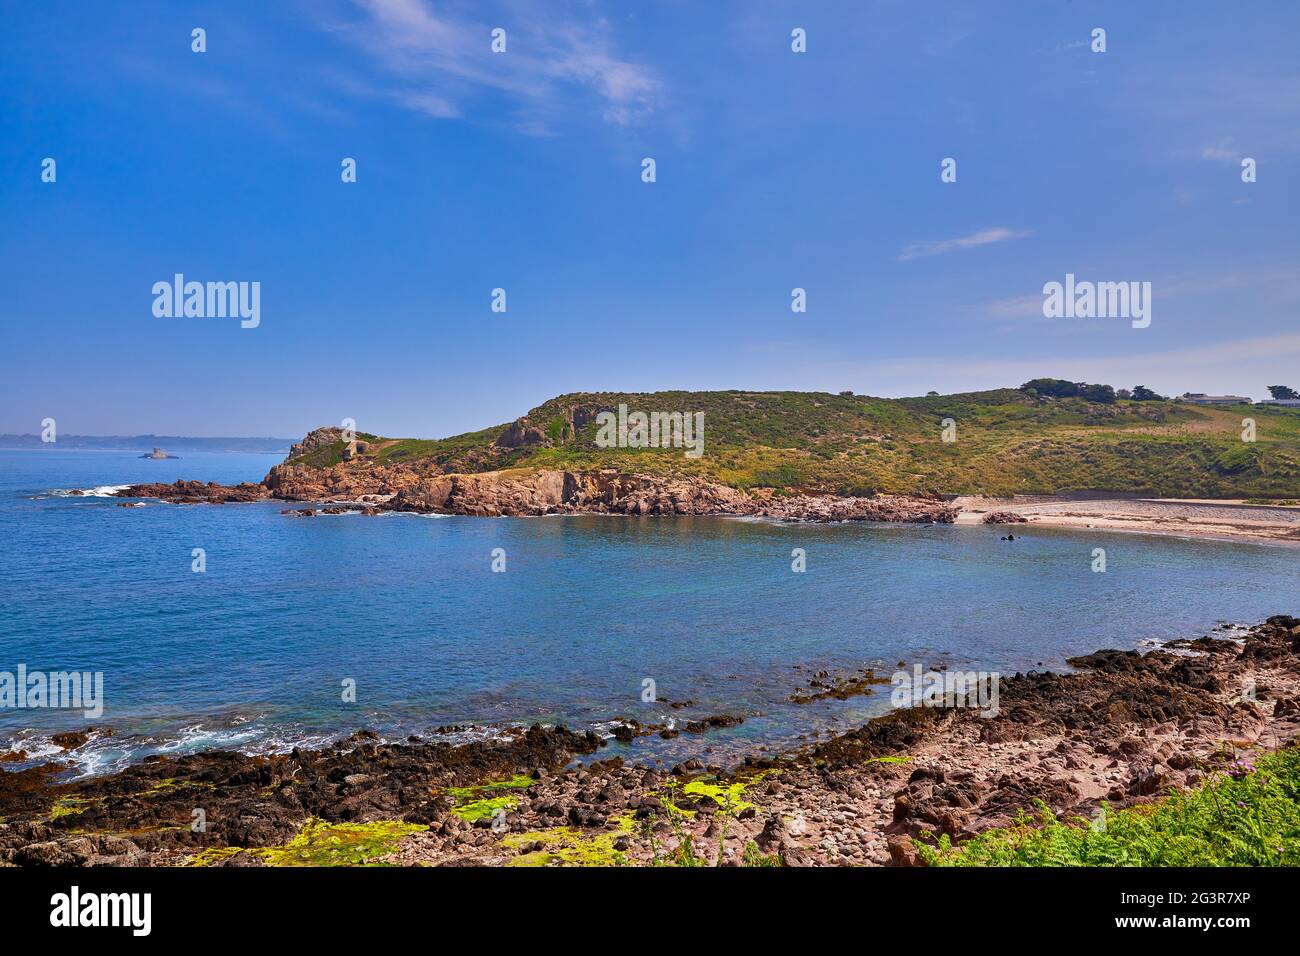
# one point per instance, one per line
(471, 804)
(566, 846)
(463, 794)
(68, 807)
(484, 809)
(728, 798)
(319, 843)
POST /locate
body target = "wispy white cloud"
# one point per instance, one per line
(1016, 307)
(437, 60)
(937, 247)
(428, 103)
(1221, 151)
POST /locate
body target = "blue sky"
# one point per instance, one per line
(522, 171)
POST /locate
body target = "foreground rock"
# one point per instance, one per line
(1127, 728)
(144, 814)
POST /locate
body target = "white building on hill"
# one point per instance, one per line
(1200, 398)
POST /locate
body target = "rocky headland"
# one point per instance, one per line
(361, 478)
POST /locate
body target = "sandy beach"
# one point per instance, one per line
(1201, 518)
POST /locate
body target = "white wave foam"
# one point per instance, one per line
(105, 753)
(410, 514)
(99, 491)
(85, 761)
(198, 737)
(38, 747)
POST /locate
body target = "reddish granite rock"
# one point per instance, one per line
(517, 434)
(1005, 517)
(196, 492)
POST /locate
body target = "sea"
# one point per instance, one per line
(233, 626)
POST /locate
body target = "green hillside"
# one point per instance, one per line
(1008, 441)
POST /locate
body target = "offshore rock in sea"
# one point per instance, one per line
(195, 492)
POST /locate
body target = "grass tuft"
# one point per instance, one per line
(1248, 815)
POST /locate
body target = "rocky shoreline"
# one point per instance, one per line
(1126, 728)
(538, 492)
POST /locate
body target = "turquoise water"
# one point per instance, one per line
(252, 653)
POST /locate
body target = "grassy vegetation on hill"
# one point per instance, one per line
(1007, 442)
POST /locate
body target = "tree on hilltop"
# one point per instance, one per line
(1062, 388)
(1052, 387)
(1102, 394)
